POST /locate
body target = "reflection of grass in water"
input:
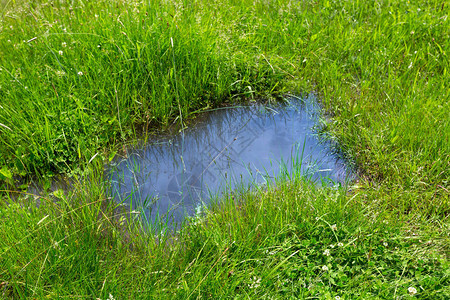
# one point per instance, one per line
(134, 200)
(154, 220)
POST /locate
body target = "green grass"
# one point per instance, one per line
(82, 78)
(380, 69)
(269, 243)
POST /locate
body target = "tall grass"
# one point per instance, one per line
(293, 239)
(78, 77)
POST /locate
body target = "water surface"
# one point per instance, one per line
(172, 176)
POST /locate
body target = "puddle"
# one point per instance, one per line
(173, 176)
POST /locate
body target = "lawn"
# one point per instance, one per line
(80, 80)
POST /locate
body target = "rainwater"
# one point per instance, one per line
(230, 147)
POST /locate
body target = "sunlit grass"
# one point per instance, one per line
(80, 79)
(291, 239)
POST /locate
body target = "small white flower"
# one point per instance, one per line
(385, 244)
(412, 290)
(326, 252)
(410, 65)
(96, 16)
(324, 268)
(337, 298)
(60, 52)
(340, 244)
(256, 282)
(111, 297)
(64, 44)
(80, 73)
(334, 227)
(332, 246)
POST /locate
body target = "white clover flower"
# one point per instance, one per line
(60, 52)
(64, 44)
(256, 282)
(324, 268)
(385, 244)
(80, 73)
(326, 252)
(334, 227)
(340, 244)
(412, 290)
(337, 298)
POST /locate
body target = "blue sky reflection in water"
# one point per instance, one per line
(227, 148)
